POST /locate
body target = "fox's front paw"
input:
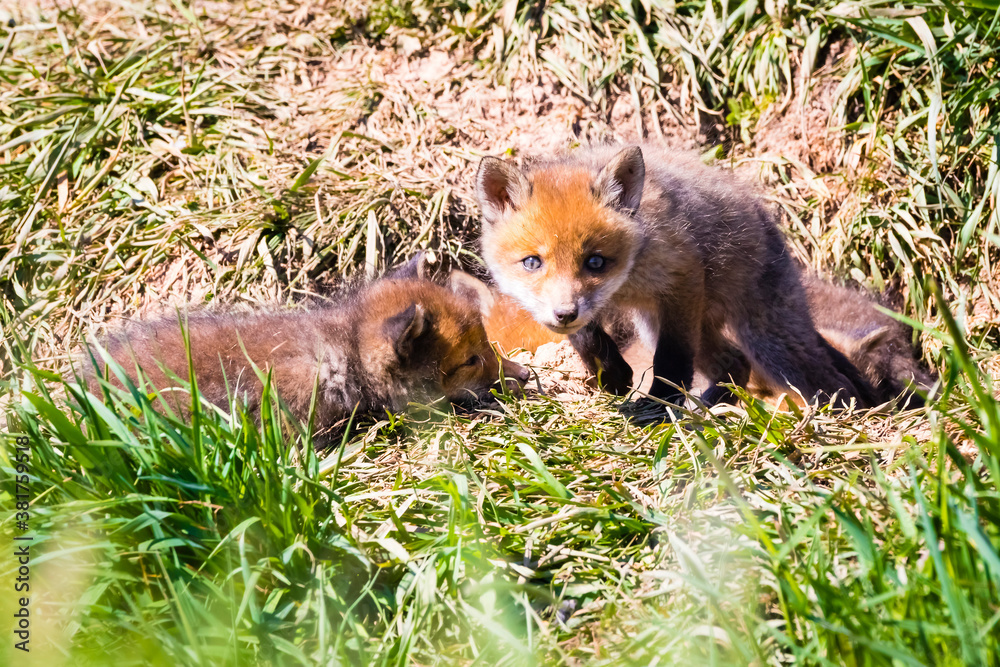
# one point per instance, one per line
(617, 381)
(717, 394)
(611, 383)
(653, 409)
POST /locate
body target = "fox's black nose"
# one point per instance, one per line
(566, 315)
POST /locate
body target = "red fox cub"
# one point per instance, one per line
(878, 345)
(402, 338)
(693, 258)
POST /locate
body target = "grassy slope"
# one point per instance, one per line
(165, 151)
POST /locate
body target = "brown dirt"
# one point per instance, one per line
(985, 317)
(532, 112)
(560, 372)
(430, 109)
(799, 129)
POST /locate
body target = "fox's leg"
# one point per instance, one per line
(602, 358)
(721, 361)
(674, 352)
(673, 362)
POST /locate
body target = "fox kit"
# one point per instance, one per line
(696, 261)
(398, 339)
(877, 344)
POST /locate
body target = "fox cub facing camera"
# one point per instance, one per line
(399, 339)
(692, 257)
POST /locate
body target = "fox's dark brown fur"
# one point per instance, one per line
(878, 345)
(693, 256)
(402, 338)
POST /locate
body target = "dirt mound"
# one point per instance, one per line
(559, 370)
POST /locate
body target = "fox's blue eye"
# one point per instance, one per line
(532, 263)
(594, 263)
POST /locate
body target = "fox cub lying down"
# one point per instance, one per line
(399, 339)
(691, 258)
(878, 345)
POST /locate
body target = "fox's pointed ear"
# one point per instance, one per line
(469, 287)
(419, 266)
(873, 340)
(500, 187)
(619, 185)
(405, 328)
(856, 348)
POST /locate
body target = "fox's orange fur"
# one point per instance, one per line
(402, 338)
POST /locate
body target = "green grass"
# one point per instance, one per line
(154, 153)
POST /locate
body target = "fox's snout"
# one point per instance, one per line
(563, 302)
(515, 376)
(565, 315)
(504, 376)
